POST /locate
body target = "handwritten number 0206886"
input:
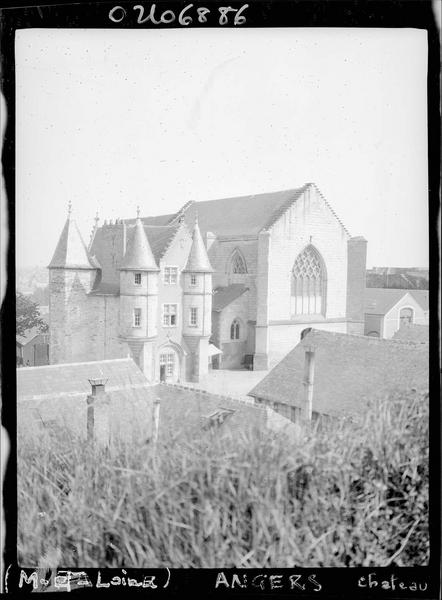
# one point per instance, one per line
(118, 14)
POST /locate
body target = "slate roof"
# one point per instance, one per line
(184, 412)
(198, 260)
(421, 297)
(138, 255)
(413, 333)
(71, 251)
(55, 381)
(223, 296)
(378, 301)
(349, 370)
(243, 215)
(104, 245)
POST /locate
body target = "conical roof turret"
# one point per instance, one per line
(71, 251)
(198, 260)
(139, 255)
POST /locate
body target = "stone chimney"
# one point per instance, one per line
(98, 417)
(309, 372)
(356, 274)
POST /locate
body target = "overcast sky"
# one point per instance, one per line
(109, 119)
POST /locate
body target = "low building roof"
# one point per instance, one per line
(421, 297)
(29, 335)
(378, 301)
(71, 379)
(349, 370)
(224, 295)
(45, 397)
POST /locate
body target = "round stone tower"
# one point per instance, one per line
(139, 299)
(197, 305)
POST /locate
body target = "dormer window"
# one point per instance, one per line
(193, 279)
(137, 278)
(170, 275)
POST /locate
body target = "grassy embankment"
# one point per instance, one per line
(348, 494)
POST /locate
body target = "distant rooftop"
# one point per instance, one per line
(378, 301)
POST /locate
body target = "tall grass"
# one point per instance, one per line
(346, 494)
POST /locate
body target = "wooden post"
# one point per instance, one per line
(98, 389)
(309, 372)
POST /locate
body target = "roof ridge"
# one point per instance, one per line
(372, 339)
(178, 227)
(331, 209)
(285, 206)
(181, 211)
(207, 393)
(88, 362)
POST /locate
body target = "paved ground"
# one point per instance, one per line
(230, 383)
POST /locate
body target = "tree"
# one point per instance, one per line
(28, 315)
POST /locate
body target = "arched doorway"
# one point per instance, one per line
(170, 367)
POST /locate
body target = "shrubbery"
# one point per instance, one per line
(346, 494)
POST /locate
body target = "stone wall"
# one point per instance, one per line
(309, 221)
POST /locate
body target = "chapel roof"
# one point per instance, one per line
(224, 295)
(348, 371)
(243, 215)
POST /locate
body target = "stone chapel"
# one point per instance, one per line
(220, 283)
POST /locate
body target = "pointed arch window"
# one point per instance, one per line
(238, 265)
(308, 283)
(235, 330)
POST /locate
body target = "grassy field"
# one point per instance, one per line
(347, 494)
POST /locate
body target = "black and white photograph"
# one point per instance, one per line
(222, 299)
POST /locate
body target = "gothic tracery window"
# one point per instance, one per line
(308, 284)
(238, 264)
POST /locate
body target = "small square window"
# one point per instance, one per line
(193, 316)
(170, 275)
(137, 278)
(193, 280)
(137, 317)
(170, 315)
